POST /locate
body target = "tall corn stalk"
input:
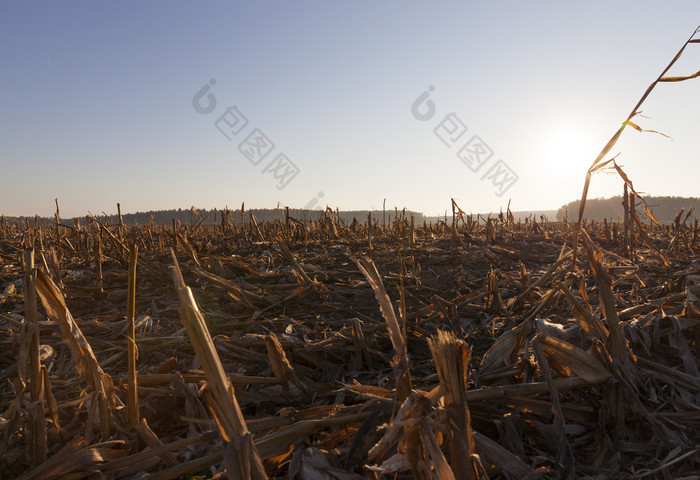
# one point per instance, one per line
(598, 163)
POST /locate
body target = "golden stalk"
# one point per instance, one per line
(31, 317)
(613, 140)
(289, 256)
(401, 366)
(618, 346)
(81, 352)
(133, 398)
(98, 261)
(220, 393)
(403, 379)
(451, 357)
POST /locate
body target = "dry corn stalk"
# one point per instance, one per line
(597, 165)
(403, 379)
(35, 377)
(565, 461)
(283, 370)
(617, 342)
(406, 423)
(219, 393)
(400, 363)
(133, 399)
(289, 256)
(76, 457)
(84, 359)
(569, 360)
(505, 350)
(451, 357)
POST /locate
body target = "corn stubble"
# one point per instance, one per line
(316, 349)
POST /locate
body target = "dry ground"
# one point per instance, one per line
(546, 367)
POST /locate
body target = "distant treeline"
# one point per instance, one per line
(209, 217)
(663, 208)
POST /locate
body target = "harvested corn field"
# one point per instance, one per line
(320, 349)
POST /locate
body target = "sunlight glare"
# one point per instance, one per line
(567, 152)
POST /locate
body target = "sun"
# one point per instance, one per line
(566, 152)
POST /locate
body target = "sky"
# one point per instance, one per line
(171, 104)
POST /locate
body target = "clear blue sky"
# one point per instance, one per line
(96, 104)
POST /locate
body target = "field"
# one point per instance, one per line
(327, 350)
